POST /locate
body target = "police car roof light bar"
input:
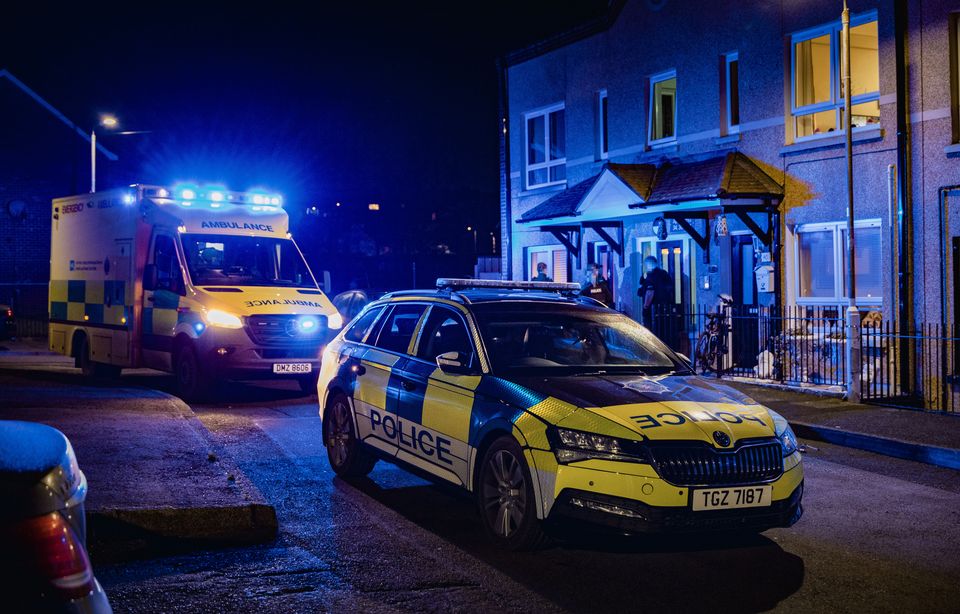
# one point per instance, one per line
(445, 283)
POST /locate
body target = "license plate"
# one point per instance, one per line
(292, 367)
(732, 498)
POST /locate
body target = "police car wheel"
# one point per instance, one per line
(345, 453)
(506, 499)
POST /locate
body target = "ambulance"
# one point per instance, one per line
(204, 283)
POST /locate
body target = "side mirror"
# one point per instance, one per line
(150, 277)
(452, 363)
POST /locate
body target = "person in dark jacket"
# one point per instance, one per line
(597, 287)
(542, 273)
(656, 289)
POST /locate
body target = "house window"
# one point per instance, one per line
(731, 81)
(817, 101)
(821, 255)
(663, 108)
(603, 145)
(554, 257)
(546, 147)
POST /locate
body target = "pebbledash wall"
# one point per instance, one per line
(622, 53)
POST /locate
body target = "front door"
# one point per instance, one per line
(745, 340)
(669, 324)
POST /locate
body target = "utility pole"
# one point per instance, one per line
(853, 314)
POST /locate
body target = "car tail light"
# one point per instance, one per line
(9, 313)
(55, 554)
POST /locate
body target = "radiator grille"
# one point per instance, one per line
(281, 330)
(703, 466)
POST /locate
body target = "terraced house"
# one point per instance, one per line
(710, 135)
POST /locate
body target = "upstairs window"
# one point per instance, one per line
(663, 108)
(603, 144)
(817, 97)
(731, 82)
(546, 147)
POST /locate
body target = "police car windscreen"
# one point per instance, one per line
(563, 339)
(228, 260)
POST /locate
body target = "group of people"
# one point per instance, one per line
(655, 287)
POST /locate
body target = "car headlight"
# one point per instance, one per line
(215, 317)
(335, 320)
(784, 434)
(571, 446)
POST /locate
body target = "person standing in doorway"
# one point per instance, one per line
(655, 291)
(597, 287)
(542, 273)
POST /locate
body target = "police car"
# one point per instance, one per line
(546, 405)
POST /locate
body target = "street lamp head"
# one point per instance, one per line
(109, 121)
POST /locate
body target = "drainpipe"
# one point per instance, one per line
(506, 205)
(904, 208)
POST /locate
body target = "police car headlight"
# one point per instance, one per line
(215, 317)
(784, 434)
(571, 446)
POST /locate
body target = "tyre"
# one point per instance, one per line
(308, 384)
(91, 368)
(192, 382)
(508, 507)
(346, 454)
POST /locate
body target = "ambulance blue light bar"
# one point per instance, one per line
(447, 283)
(217, 196)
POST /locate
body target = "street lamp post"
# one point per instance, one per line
(853, 314)
(110, 122)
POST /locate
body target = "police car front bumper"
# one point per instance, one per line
(634, 516)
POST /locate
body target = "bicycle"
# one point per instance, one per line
(711, 350)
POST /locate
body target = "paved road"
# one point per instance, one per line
(878, 535)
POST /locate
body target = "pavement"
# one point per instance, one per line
(927, 437)
(179, 485)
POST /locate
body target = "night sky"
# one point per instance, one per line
(394, 103)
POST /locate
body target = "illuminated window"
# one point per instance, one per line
(663, 108)
(546, 147)
(603, 145)
(731, 82)
(553, 259)
(821, 251)
(817, 96)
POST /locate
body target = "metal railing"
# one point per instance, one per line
(30, 325)
(796, 345)
(917, 368)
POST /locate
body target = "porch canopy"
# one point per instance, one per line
(681, 191)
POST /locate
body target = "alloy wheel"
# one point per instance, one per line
(339, 433)
(504, 493)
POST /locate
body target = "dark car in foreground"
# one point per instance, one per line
(43, 558)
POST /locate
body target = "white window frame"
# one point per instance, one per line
(728, 58)
(837, 229)
(603, 126)
(836, 99)
(545, 249)
(547, 163)
(654, 79)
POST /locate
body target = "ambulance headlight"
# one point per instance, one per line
(215, 317)
(308, 325)
(571, 446)
(784, 434)
(335, 320)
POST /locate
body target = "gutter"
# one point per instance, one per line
(506, 198)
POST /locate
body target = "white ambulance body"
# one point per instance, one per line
(204, 283)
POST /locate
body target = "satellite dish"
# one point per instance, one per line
(17, 208)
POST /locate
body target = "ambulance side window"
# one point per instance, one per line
(168, 267)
